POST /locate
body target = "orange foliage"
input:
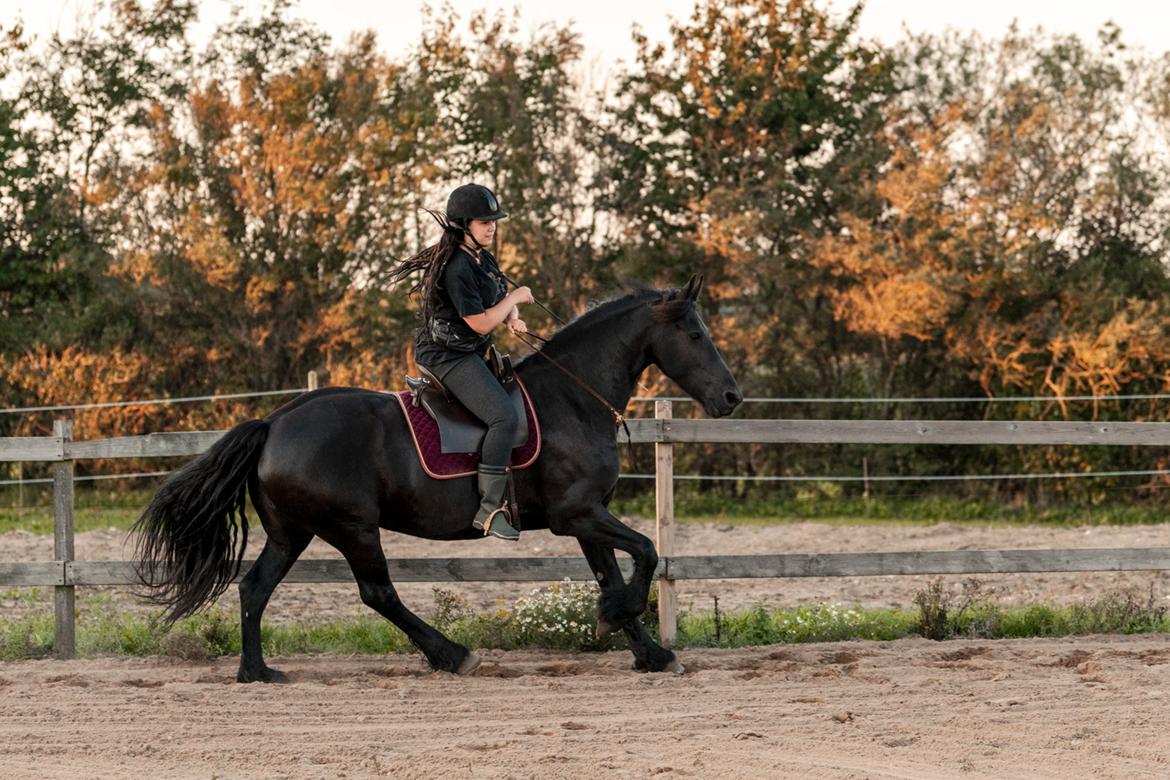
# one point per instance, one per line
(894, 279)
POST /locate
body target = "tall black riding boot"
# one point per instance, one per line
(492, 517)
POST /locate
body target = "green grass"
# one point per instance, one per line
(216, 633)
(92, 510)
(96, 510)
(694, 506)
(820, 623)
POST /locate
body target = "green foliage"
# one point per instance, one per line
(819, 623)
(699, 506)
(934, 618)
(359, 635)
(1126, 612)
(517, 123)
(213, 633)
(78, 105)
(27, 638)
(942, 615)
(94, 509)
(99, 510)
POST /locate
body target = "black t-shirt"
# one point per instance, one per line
(467, 287)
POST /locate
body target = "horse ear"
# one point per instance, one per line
(694, 285)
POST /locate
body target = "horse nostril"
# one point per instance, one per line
(733, 397)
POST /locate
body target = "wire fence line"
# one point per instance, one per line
(635, 399)
(89, 478)
(911, 478)
(149, 401)
(680, 477)
(926, 400)
(745, 478)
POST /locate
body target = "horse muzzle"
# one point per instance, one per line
(724, 403)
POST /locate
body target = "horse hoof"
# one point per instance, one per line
(675, 667)
(470, 664)
(604, 629)
(265, 675)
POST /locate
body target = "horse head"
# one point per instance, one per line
(680, 344)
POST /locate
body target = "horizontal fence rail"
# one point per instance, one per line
(64, 573)
(683, 567)
(865, 564)
(645, 430)
(151, 445)
(544, 569)
(660, 431)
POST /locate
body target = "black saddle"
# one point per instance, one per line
(459, 429)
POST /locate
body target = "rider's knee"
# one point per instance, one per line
(506, 420)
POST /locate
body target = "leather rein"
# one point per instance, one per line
(619, 419)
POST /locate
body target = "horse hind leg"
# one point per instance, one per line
(256, 588)
(365, 557)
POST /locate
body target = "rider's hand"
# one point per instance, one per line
(522, 295)
(517, 326)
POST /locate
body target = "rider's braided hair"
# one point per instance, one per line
(431, 261)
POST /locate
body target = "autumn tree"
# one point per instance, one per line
(514, 115)
(949, 216)
(78, 107)
(729, 149)
(77, 110)
(262, 220)
(1020, 244)
(1020, 239)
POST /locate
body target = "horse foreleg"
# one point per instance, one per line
(598, 527)
(649, 656)
(256, 588)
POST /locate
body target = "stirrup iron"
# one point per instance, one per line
(491, 518)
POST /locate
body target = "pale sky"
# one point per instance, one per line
(605, 25)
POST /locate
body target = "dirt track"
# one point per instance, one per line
(1085, 707)
(1090, 707)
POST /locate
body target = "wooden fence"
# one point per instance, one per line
(64, 573)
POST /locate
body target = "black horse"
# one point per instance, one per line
(339, 463)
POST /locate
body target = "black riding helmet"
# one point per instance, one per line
(472, 201)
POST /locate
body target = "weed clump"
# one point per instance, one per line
(974, 614)
(1124, 612)
(200, 638)
(561, 616)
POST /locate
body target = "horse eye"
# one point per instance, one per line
(695, 335)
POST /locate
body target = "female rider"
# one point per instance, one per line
(465, 297)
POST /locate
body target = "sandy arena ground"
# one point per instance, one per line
(1089, 707)
(1085, 707)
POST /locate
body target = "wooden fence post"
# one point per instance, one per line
(312, 380)
(65, 636)
(664, 512)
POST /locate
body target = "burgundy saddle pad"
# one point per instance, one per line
(440, 465)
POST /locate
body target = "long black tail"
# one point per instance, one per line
(190, 541)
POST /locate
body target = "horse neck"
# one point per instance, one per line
(607, 352)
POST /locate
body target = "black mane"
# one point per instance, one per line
(667, 305)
